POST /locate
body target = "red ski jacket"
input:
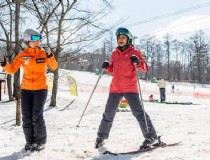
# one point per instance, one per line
(123, 71)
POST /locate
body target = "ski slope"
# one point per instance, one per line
(189, 124)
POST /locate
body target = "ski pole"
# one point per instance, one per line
(90, 97)
(140, 96)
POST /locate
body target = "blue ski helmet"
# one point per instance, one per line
(126, 32)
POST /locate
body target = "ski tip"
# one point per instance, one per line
(110, 153)
(174, 144)
(106, 152)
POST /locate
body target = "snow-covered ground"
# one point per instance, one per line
(189, 124)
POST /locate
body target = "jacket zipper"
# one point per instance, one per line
(33, 70)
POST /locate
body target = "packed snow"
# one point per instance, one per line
(188, 124)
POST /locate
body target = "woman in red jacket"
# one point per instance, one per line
(124, 84)
(34, 61)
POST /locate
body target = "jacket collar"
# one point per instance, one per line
(32, 51)
(131, 47)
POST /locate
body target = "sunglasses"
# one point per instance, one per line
(122, 31)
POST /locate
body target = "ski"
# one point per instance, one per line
(182, 103)
(163, 145)
(172, 102)
(155, 101)
(123, 110)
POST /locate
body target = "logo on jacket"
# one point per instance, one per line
(26, 61)
(40, 60)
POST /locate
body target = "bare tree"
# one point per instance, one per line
(146, 45)
(167, 42)
(176, 48)
(184, 61)
(160, 72)
(66, 26)
(60, 17)
(6, 23)
(16, 91)
(198, 45)
(208, 63)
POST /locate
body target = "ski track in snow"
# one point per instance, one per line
(189, 124)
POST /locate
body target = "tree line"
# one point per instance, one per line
(175, 60)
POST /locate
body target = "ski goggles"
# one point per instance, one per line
(122, 31)
(36, 37)
(33, 37)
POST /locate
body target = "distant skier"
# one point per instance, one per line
(151, 98)
(34, 61)
(162, 87)
(172, 88)
(124, 84)
(194, 85)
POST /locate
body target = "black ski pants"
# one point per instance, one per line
(32, 104)
(136, 108)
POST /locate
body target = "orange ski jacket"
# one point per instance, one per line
(34, 62)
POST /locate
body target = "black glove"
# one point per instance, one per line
(105, 64)
(134, 59)
(48, 51)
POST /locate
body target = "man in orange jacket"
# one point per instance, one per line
(34, 61)
(124, 84)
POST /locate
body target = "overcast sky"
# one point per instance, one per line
(133, 12)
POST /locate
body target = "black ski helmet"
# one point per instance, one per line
(126, 32)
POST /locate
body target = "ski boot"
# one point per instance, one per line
(28, 146)
(99, 142)
(37, 147)
(152, 141)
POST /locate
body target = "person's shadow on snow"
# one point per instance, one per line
(16, 155)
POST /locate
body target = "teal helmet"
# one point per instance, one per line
(126, 32)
